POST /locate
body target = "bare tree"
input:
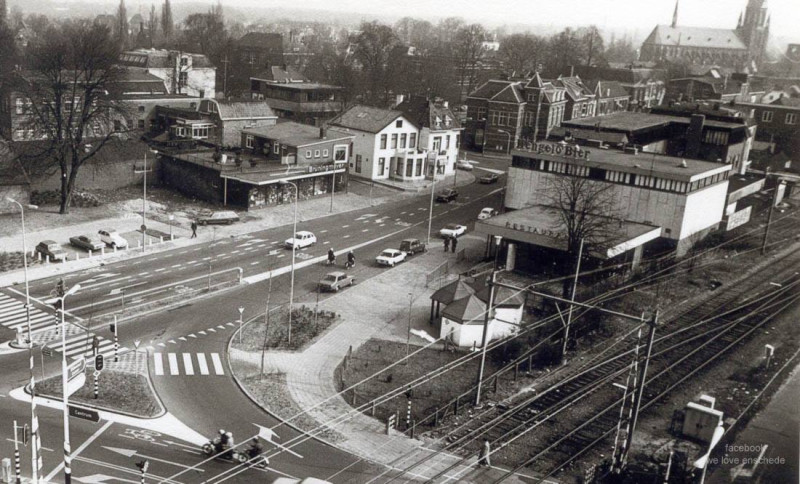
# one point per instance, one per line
(123, 29)
(592, 46)
(468, 51)
(152, 26)
(522, 53)
(374, 46)
(586, 211)
(70, 105)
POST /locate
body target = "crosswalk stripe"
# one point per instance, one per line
(173, 364)
(158, 365)
(215, 359)
(187, 363)
(202, 364)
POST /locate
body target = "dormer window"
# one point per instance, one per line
(184, 61)
(438, 121)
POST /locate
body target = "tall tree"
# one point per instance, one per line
(167, 23)
(72, 107)
(122, 29)
(620, 50)
(593, 46)
(522, 53)
(564, 50)
(374, 46)
(468, 50)
(152, 26)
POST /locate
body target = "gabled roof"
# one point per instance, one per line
(695, 37)
(243, 109)
(535, 81)
(490, 89)
(468, 310)
(366, 118)
(425, 113)
(452, 292)
(607, 89)
(787, 101)
(262, 40)
(503, 297)
(575, 88)
(280, 75)
(511, 94)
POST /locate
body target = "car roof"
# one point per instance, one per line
(303, 232)
(410, 240)
(336, 273)
(48, 242)
(390, 250)
(224, 213)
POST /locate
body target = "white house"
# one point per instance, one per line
(386, 144)
(182, 72)
(440, 132)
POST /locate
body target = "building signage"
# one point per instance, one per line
(558, 149)
(535, 230)
(738, 218)
(321, 168)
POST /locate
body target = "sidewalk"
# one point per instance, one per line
(310, 374)
(360, 196)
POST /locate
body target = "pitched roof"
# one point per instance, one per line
(366, 118)
(511, 94)
(695, 37)
(454, 291)
(574, 86)
(490, 89)
(243, 109)
(160, 58)
(280, 75)
(425, 113)
(467, 310)
(607, 89)
(503, 297)
(535, 81)
(787, 101)
(262, 40)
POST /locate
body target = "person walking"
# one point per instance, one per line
(484, 460)
(194, 229)
(453, 244)
(446, 244)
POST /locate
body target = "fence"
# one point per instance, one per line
(435, 277)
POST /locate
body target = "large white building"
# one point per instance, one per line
(182, 72)
(440, 132)
(386, 144)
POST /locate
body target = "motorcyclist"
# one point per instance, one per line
(331, 257)
(351, 259)
(227, 445)
(218, 441)
(255, 449)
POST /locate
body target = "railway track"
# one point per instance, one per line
(689, 340)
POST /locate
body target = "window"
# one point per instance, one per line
(481, 113)
(791, 118)
(381, 166)
(419, 167)
(437, 143)
(493, 120)
(766, 116)
(409, 167)
(383, 141)
(19, 134)
(117, 125)
(325, 153)
(248, 141)
(529, 118)
(503, 119)
(358, 163)
(276, 149)
(308, 153)
(394, 141)
(184, 61)
(399, 123)
(403, 140)
(340, 153)
(412, 140)
(458, 140)
(141, 124)
(183, 79)
(317, 153)
(141, 109)
(200, 132)
(20, 105)
(447, 142)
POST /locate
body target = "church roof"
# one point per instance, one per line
(695, 37)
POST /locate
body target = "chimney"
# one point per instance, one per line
(694, 135)
(571, 71)
(322, 132)
(399, 99)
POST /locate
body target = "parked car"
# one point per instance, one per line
(50, 248)
(452, 230)
(301, 239)
(447, 195)
(87, 243)
(487, 212)
(489, 178)
(333, 281)
(464, 165)
(112, 239)
(412, 246)
(390, 257)
(226, 217)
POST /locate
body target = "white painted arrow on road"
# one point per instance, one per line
(101, 478)
(268, 434)
(131, 453)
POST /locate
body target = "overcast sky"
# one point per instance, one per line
(641, 15)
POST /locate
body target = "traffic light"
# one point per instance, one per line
(113, 328)
(143, 465)
(98, 362)
(26, 434)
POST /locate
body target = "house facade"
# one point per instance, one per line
(386, 144)
(440, 132)
(610, 96)
(232, 117)
(646, 86)
(778, 122)
(581, 100)
(182, 72)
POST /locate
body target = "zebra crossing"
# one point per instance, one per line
(171, 364)
(13, 315)
(80, 345)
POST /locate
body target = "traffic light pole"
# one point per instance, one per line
(116, 339)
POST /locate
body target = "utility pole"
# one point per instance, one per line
(769, 217)
(572, 298)
(225, 78)
(485, 338)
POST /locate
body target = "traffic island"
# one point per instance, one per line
(273, 333)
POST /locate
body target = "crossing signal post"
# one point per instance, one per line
(98, 367)
(113, 328)
(143, 465)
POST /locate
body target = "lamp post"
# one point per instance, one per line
(171, 218)
(508, 144)
(294, 251)
(487, 319)
(408, 335)
(64, 384)
(430, 212)
(35, 445)
(144, 200)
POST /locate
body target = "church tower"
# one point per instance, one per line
(754, 30)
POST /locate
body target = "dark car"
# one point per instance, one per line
(51, 249)
(225, 217)
(412, 246)
(87, 243)
(447, 195)
(489, 178)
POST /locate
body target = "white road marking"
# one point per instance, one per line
(212, 330)
(220, 326)
(254, 263)
(173, 364)
(187, 363)
(202, 364)
(159, 270)
(203, 333)
(345, 226)
(326, 242)
(365, 230)
(183, 338)
(158, 365)
(161, 345)
(323, 231)
(143, 273)
(235, 252)
(346, 237)
(193, 335)
(215, 359)
(80, 449)
(177, 265)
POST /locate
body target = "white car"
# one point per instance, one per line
(112, 239)
(452, 230)
(390, 257)
(487, 212)
(301, 239)
(464, 165)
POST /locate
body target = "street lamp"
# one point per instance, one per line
(35, 446)
(408, 335)
(64, 383)
(430, 212)
(508, 145)
(285, 182)
(486, 319)
(144, 199)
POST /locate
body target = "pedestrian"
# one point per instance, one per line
(194, 229)
(453, 244)
(446, 244)
(485, 459)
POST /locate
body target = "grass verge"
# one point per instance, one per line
(274, 333)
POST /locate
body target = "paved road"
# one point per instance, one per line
(195, 334)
